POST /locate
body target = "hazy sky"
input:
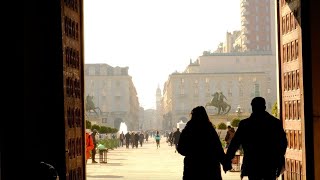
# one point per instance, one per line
(155, 38)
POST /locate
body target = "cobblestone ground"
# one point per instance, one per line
(143, 163)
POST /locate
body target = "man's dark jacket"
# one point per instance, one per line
(264, 143)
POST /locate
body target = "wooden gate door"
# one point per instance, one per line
(292, 99)
(73, 80)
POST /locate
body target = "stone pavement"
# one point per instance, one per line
(143, 163)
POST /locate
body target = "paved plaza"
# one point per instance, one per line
(143, 163)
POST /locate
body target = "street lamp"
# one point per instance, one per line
(239, 110)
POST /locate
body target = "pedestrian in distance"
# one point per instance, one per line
(121, 139)
(176, 137)
(136, 139)
(147, 136)
(94, 150)
(263, 141)
(171, 138)
(141, 138)
(127, 139)
(229, 135)
(89, 145)
(157, 137)
(201, 147)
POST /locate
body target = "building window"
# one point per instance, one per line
(256, 89)
(208, 90)
(240, 91)
(182, 80)
(254, 79)
(257, 18)
(196, 91)
(181, 90)
(104, 120)
(207, 80)
(230, 92)
(268, 90)
(257, 28)
(257, 37)
(268, 47)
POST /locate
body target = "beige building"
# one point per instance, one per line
(159, 109)
(228, 45)
(257, 31)
(257, 25)
(239, 76)
(150, 120)
(114, 95)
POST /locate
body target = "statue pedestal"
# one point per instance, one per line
(217, 119)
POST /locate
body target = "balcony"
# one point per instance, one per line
(244, 22)
(245, 13)
(245, 31)
(244, 3)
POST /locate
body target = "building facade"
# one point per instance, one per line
(114, 95)
(257, 25)
(239, 76)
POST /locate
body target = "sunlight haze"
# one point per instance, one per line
(155, 38)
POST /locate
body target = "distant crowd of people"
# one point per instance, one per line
(133, 139)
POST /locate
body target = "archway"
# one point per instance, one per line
(117, 122)
(183, 119)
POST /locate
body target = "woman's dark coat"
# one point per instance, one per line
(201, 146)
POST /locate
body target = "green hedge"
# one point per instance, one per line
(109, 143)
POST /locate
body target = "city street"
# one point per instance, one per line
(144, 163)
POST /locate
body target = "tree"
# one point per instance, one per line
(103, 130)
(235, 122)
(88, 124)
(222, 126)
(274, 110)
(220, 48)
(95, 126)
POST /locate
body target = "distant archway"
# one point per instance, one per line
(183, 119)
(117, 123)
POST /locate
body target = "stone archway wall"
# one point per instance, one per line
(47, 77)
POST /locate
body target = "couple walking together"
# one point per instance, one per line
(263, 156)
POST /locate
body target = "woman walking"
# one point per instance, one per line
(157, 137)
(200, 162)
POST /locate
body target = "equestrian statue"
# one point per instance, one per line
(90, 105)
(218, 102)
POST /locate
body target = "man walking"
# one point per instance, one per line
(263, 141)
(121, 139)
(93, 152)
(176, 137)
(229, 135)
